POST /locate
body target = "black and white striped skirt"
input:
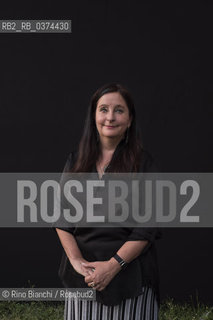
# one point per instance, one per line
(143, 307)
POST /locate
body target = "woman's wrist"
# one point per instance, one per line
(123, 264)
(114, 265)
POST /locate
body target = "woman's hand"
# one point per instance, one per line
(104, 272)
(77, 264)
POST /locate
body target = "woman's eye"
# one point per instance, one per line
(119, 110)
(103, 109)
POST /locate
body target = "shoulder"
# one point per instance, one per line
(148, 164)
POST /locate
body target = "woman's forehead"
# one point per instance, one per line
(112, 99)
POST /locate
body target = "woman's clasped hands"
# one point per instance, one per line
(100, 273)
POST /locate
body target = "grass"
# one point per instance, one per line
(170, 310)
(10, 310)
(54, 311)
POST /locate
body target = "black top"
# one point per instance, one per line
(99, 244)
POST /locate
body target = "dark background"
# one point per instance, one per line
(162, 51)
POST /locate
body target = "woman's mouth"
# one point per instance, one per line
(110, 127)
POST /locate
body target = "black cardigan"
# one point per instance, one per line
(99, 244)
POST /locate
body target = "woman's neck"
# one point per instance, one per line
(107, 148)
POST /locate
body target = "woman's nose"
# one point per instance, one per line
(110, 116)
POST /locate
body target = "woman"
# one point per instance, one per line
(119, 263)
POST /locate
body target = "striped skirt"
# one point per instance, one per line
(143, 307)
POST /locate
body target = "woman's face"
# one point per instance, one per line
(112, 116)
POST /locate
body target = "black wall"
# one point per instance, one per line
(162, 51)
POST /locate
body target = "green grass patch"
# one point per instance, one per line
(10, 310)
(169, 310)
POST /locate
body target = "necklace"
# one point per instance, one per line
(103, 169)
